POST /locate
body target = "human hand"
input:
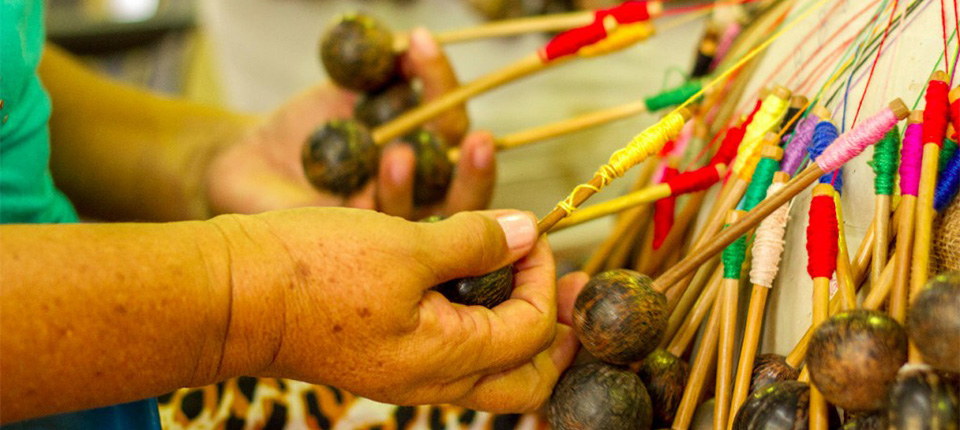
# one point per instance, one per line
(262, 171)
(355, 309)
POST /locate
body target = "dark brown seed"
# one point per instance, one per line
(488, 290)
(619, 317)
(922, 400)
(934, 322)
(599, 396)
(770, 368)
(854, 358)
(433, 168)
(665, 376)
(868, 420)
(703, 416)
(357, 53)
(374, 109)
(340, 157)
(779, 406)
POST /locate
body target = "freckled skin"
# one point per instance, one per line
(921, 400)
(599, 396)
(357, 53)
(374, 109)
(619, 317)
(340, 157)
(433, 168)
(934, 322)
(779, 406)
(665, 376)
(854, 358)
(770, 368)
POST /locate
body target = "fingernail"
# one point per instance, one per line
(399, 172)
(422, 41)
(520, 229)
(482, 156)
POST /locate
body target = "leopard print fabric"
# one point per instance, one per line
(278, 404)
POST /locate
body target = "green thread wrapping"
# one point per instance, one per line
(673, 96)
(733, 257)
(946, 153)
(885, 162)
(762, 177)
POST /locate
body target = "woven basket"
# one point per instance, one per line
(945, 255)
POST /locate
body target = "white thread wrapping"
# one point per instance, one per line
(768, 243)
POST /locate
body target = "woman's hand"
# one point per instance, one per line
(356, 310)
(263, 170)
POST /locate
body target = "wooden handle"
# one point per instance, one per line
(880, 228)
(619, 204)
(748, 349)
(904, 250)
(716, 244)
(571, 125)
(698, 373)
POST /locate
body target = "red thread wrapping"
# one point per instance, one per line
(935, 114)
(667, 148)
(569, 42)
(731, 141)
(955, 118)
(663, 211)
(694, 180)
(822, 237)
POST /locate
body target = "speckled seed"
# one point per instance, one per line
(619, 317)
(868, 420)
(340, 157)
(922, 400)
(665, 376)
(357, 53)
(854, 357)
(934, 322)
(374, 109)
(599, 396)
(770, 368)
(433, 168)
(779, 406)
(488, 290)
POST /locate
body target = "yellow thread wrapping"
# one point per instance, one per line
(643, 145)
(623, 36)
(768, 118)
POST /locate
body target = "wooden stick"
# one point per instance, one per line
(698, 373)
(821, 309)
(729, 301)
(583, 193)
(845, 285)
(880, 227)
(681, 331)
(904, 249)
(652, 261)
(513, 27)
(646, 195)
(621, 252)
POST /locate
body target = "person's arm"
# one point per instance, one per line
(97, 314)
(121, 153)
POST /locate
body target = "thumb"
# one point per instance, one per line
(477, 243)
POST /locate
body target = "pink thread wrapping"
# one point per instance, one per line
(726, 41)
(854, 141)
(768, 243)
(823, 234)
(911, 158)
(935, 113)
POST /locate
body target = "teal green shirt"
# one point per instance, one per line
(27, 193)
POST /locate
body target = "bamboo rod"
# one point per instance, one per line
(845, 284)
(698, 373)
(729, 301)
(821, 310)
(880, 227)
(904, 248)
(674, 239)
(681, 331)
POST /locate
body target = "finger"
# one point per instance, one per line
(568, 287)
(426, 61)
(395, 181)
(528, 387)
(475, 243)
(473, 182)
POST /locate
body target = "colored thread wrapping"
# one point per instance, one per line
(625, 13)
(672, 96)
(935, 113)
(663, 211)
(762, 177)
(947, 150)
(885, 162)
(796, 148)
(726, 41)
(731, 141)
(787, 125)
(911, 158)
(766, 120)
(623, 37)
(693, 180)
(823, 136)
(643, 145)
(835, 179)
(768, 243)
(733, 257)
(571, 41)
(855, 140)
(955, 118)
(822, 238)
(948, 183)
